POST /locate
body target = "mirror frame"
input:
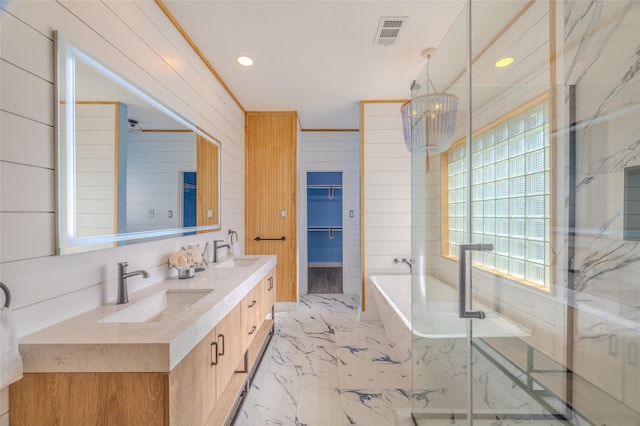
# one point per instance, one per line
(65, 50)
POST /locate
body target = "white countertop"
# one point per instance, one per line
(83, 344)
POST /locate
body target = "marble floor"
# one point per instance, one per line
(324, 367)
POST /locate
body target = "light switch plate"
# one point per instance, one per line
(210, 214)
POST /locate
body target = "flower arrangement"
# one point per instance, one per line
(186, 258)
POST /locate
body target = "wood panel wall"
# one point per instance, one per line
(207, 183)
(270, 159)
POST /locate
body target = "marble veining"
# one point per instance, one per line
(602, 60)
(326, 367)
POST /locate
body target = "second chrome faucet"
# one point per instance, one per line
(123, 293)
(217, 246)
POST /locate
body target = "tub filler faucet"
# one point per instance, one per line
(404, 260)
(123, 293)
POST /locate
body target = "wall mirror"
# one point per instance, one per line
(129, 168)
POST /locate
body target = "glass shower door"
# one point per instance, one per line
(439, 222)
(525, 228)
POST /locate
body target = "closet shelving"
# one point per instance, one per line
(324, 219)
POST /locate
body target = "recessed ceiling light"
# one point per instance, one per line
(245, 61)
(504, 62)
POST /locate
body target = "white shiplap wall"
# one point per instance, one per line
(133, 38)
(97, 134)
(387, 195)
(332, 152)
(155, 162)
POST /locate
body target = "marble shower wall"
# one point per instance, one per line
(602, 59)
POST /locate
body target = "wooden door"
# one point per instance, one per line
(270, 194)
(207, 183)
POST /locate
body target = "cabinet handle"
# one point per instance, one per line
(270, 284)
(632, 354)
(253, 330)
(221, 353)
(214, 351)
(252, 304)
(612, 345)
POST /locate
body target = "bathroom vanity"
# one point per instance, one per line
(181, 352)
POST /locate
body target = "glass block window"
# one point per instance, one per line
(509, 196)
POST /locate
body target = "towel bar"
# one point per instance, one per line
(7, 294)
(269, 239)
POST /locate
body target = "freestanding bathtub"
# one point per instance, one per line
(432, 314)
(433, 347)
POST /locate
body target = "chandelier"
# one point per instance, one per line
(429, 120)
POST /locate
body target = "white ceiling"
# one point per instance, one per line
(314, 57)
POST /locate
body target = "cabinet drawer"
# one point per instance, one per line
(250, 316)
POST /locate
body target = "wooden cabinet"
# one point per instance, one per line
(270, 193)
(59, 399)
(594, 346)
(229, 347)
(607, 370)
(192, 384)
(199, 381)
(631, 372)
(268, 292)
(203, 389)
(251, 310)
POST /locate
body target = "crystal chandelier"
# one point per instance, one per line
(429, 121)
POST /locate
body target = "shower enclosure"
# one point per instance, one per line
(532, 214)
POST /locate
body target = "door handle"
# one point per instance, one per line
(462, 280)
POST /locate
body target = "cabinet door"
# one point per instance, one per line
(230, 350)
(631, 390)
(594, 347)
(192, 384)
(269, 292)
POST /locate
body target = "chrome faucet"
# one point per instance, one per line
(123, 293)
(216, 247)
(404, 260)
(410, 263)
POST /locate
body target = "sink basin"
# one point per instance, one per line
(160, 307)
(238, 262)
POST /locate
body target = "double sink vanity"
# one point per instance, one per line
(181, 352)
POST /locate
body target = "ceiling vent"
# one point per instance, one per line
(389, 30)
